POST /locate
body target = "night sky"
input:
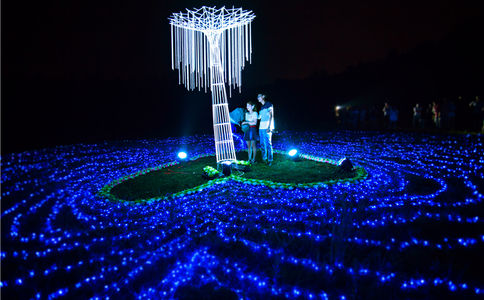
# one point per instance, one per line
(81, 71)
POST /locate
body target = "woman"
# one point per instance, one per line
(251, 135)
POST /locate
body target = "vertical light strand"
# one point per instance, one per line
(177, 46)
(242, 45)
(241, 57)
(200, 59)
(182, 53)
(193, 52)
(246, 45)
(184, 60)
(196, 41)
(187, 59)
(177, 49)
(190, 64)
(236, 48)
(246, 31)
(205, 62)
(236, 62)
(250, 42)
(242, 54)
(209, 70)
(222, 51)
(192, 59)
(174, 42)
(171, 36)
(231, 78)
(209, 58)
(234, 58)
(178, 54)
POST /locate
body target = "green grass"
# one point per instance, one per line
(189, 174)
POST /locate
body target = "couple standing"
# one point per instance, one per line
(266, 117)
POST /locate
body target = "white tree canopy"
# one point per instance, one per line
(196, 32)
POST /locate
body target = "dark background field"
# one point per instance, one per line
(88, 71)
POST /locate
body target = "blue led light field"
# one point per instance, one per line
(412, 229)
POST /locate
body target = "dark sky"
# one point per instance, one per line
(130, 39)
(82, 71)
(333, 35)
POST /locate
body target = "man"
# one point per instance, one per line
(386, 115)
(417, 116)
(266, 116)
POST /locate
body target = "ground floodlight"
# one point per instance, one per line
(182, 155)
(226, 168)
(293, 154)
(345, 164)
(209, 47)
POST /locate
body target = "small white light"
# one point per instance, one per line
(182, 155)
(292, 152)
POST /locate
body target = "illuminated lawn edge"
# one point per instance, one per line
(105, 192)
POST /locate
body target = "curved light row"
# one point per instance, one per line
(59, 239)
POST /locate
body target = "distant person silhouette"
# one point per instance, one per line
(417, 116)
(476, 113)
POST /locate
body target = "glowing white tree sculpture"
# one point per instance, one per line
(210, 46)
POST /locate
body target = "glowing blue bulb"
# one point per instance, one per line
(182, 155)
(292, 152)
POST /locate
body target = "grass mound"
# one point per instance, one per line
(188, 175)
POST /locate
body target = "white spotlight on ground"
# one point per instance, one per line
(292, 152)
(182, 155)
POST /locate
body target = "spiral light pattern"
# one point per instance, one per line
(414, 228)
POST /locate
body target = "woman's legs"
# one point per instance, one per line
(249, 150)
(254, 150)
